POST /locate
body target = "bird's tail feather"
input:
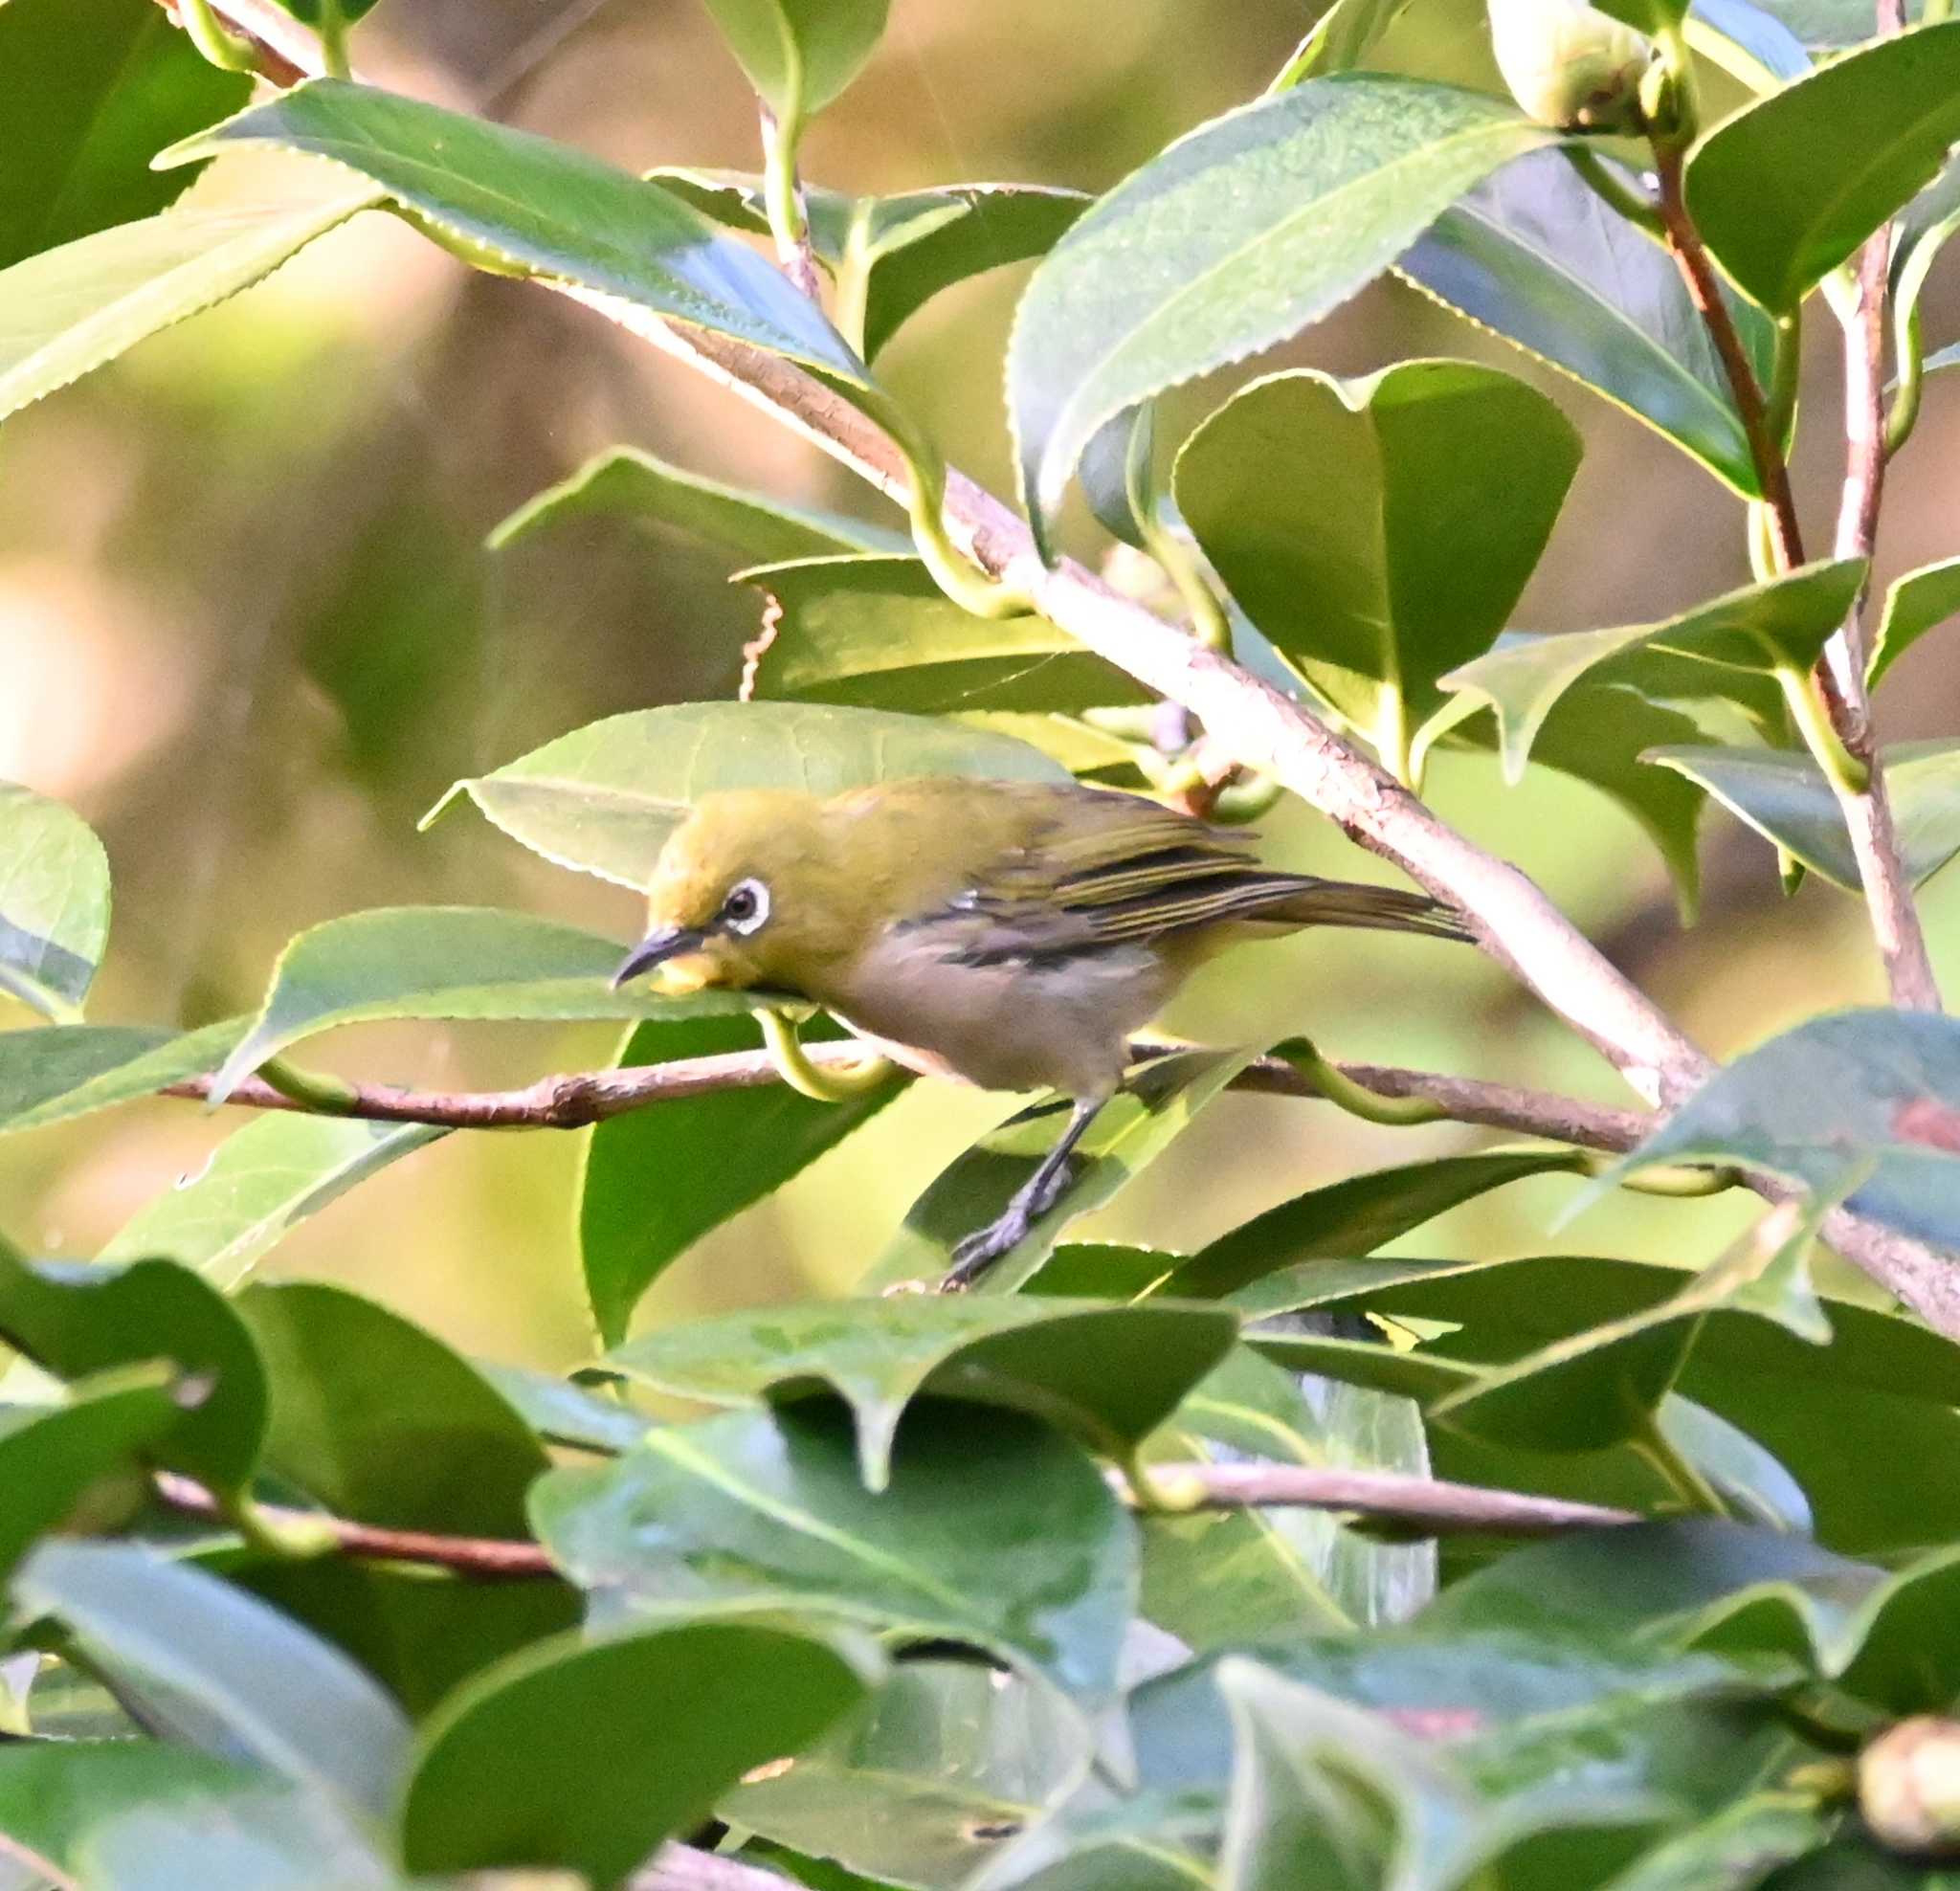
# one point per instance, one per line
(1376, 908)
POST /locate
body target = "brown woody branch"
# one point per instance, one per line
(1266, 731)
(580, 1098)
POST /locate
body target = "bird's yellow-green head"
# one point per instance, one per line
(744, 894)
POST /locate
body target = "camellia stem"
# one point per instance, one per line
(333, 40)
(214, 39)
(783, 197)
(827, 1083)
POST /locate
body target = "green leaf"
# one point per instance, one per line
(1421, 1375)
(1223, 1577)
(1373, 585)
(47, 1075)
(1601, 733)
(1919, 602)
(1751, 44)
(73, 1319)
(1326, 1792)
(444, 962)
(76, 134)
(1153, 1841)
(259, 1837)
(53, 1460)
(1353, 1216)
(1759, 628)
(236, 1676)
(588, 1755)
(1340, 40)
(377, 1420)
(1000, 1535)
(878, 631)
(655, 1180)
(626, 483)
(71, 309)
(530, 206)
(1599, 1387)
(902, 250)
(1785, 798)
(926, 1781)
(800, 54)
(55, 1793)
(563, 1414)
(1861, 1100)
(1731, 1850)
(1239, 235)
(260, 1183)
(1108, 1374)
(54, 901)
(1135, 1127)
(1788, 188)
(603, 799)
(1533, 254)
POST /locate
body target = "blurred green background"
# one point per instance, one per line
(247, 628)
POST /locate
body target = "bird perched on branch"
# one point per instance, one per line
(1008, 934)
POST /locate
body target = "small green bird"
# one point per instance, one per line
(1008, 934)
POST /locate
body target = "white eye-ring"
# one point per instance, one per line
(746, 908)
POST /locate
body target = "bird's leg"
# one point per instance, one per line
(1031, 1201)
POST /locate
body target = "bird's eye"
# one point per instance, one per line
(746, 906)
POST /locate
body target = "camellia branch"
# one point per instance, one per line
(579, 1098)
(1268, 731)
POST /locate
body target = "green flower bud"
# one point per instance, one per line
(1909, 1786)
(1571, 66)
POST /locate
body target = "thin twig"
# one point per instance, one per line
(1390, 1497)
(1752, 405)
(578, 1099)
(789, 220)
(483, 1559)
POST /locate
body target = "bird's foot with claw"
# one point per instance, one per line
(979, 1251)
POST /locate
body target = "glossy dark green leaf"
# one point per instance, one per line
(531, 206)
(1108, 1374)
(1422, 1375)
(1759, 628)
(1353, 1216)
(53, 1459)
(603, 799)
(445, 961)
(49, 1075)
(260, 1183)
(655, 1181)
(893, 255)
(235, 1675)
(1132, 1131)
(1919, 602)
(587, 1755)
(1788, 188)
(73, 1319)
(800, 54)
(1867, 1099)
(71, 309)
(878, 631)
(1375, 584)
(994, 1531)
(1219, 1578)
(54, 901)
(1239, 235)
(1750, 42)
(76, 134)
(928, 1781)
(380, 1421)
(1150, 1842)
(1783, 794)
(628, 483)
(1599, 1387)
(55, 1793)
(1533, 254)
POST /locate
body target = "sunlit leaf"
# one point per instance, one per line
(53, 902)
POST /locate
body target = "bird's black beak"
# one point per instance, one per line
(655, 950)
